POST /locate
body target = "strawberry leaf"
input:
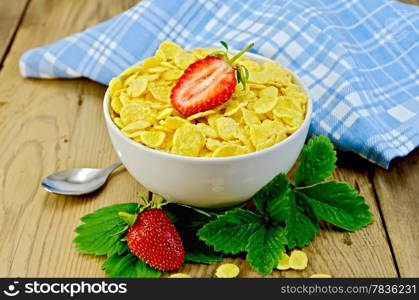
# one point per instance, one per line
(128, 266)
(316, 163)
(103, 229)
(224, 44)
(242, 75)
(265, 247)
(300, 227)
(272, 200)
(338, 204)
(231, 231)
(188, 221)
(197, 251)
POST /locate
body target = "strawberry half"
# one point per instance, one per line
(208, 82)
(155, 240)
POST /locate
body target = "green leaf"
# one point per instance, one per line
(224, 44)
(188, 221)
(102, 230)
(128, 266)
(316, 163)
(246, 72)
(197, 251)
(188, 217)
(230, 232)
(300, 228)
(265, 247)
(242, 76)
(338, 204)
(273, 199)
(239, 76)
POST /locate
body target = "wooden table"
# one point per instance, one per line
(50, 125)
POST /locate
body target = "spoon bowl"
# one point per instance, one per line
(77, 181)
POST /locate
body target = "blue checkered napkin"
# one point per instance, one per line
(359, 59)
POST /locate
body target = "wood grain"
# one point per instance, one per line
(398, 191)
(50, 125)
(11, 12)
(47, 126)
(415, 2)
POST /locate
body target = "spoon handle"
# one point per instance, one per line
(113, 166)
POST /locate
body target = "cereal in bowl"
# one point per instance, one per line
(203, 103)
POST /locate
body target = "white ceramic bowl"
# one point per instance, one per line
(207, 182)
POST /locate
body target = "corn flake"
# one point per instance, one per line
(116, 104)
(152, 139)
(201, 114)
(136, 126)
(258, 136)
(160, 92)
(137, 86)
(151, 62)
(135, 112)
(320, 276)
(180, 275)
(184, 59)
(264, 105)
(228, 150)
(164, 113)
(284, 262)
(298, 260)
(269, 92)
(169, 49)
(188, 141)
(114, 85)
(172, 74)
(226, 128)
(118, 122)
(207, 130)
(213, 144)
(227, 271)
(173, 122)
(250, 118)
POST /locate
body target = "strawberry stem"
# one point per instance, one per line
(129, 219)
(237, 56)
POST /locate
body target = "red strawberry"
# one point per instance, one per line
(207, 83)
(155, 240)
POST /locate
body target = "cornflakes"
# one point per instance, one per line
(137, 86)
(228, 150)
(320, 276)
(227, 271)
(180, 275)
(271, 108)
(153, 139)
(284, 262)
(298, 260)
(188, 141)
(226, 128)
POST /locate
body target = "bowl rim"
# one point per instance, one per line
(306, 123)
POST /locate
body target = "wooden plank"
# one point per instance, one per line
(11, 12)
(398, 191)
(415, 2)
(49, 125)
(57, 124)
(364, 253)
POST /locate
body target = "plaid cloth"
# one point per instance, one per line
(359, 59)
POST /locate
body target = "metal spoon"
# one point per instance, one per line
(78, 181)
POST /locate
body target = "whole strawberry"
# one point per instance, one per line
(208, 82)
(155, 240)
